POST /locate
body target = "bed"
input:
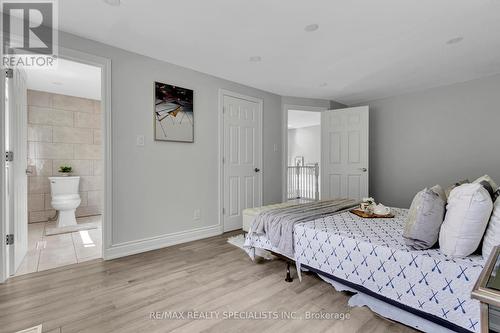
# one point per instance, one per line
(369, 255)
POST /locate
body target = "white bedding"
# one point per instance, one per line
(371, 253)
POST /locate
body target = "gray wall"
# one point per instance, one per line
(157, 187)
(304, 141)
(437, 136)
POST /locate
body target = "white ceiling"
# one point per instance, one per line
(363, 49)
(299, 119)
(67, 78)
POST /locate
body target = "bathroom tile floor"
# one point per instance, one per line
(46, 252)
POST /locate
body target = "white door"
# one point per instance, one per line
(5, 183)
(18, 114)
(344, 153)
(242, 158)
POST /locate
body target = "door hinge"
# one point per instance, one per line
(223, 211)
(9, 239)
(9, 73)
(9, 156)
(223, 160)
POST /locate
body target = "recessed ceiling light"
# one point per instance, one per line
(311, 27)
(324, 84)
(113, 2)
(455, 40)
(255, 58)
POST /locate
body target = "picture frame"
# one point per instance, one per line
(173, 113)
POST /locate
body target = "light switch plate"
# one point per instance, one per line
(139, 140)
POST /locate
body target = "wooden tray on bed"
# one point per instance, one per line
(365, 215)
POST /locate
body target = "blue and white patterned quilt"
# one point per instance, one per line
(371, 253)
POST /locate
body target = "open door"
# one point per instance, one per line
(4, 214)
(344, 153)
(15, 187)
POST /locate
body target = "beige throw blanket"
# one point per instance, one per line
(277, 224)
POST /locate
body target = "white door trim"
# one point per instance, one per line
(3, 222)
(284, 130)
(222, 93)
(105, 65)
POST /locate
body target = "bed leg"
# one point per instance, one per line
(288, 275)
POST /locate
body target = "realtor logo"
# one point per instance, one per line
(29, 33)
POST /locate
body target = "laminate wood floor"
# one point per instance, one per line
(208, 275)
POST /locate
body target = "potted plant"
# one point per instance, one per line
(65, 170)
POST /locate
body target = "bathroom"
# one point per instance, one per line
(64, 166)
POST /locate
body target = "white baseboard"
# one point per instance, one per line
(158, 242)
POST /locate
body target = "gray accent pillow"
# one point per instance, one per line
(424, 219)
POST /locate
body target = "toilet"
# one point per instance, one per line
(65, 199)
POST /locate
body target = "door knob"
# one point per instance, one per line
(363, 169)
(256, 169)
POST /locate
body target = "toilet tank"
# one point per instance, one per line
(64, 185)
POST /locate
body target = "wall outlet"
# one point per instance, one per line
(197, 214)
(139, 141)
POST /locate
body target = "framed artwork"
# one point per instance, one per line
(173, 114)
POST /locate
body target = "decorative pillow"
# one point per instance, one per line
(467, 214)
(425, 217)
(492, 235)
(451, 187)
(496, 194)
(487, 187)
(487, 178)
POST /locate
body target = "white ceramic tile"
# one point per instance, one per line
(46, 150)
(97, 106)
(97, 168)
(40, 133)
(48, 116)
(38, 184)
(42, 216)
(72, 135)
(61, 241)
(97, 137)
(72, 103)
(46, 252)
(94, 198)
(84, 211)
(36, 202)
(91, 183)
(29, 263)
(40, 167)
(87, 120)
(87, 152)
(84, 198)
(88, 244)
(39, 98)
(52, 258)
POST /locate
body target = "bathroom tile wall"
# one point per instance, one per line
(63, 130)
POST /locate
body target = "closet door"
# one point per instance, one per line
(344, 153)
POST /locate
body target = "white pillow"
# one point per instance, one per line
(487, 178)
(467, 214)
(492, 235)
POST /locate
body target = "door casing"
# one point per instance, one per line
(107, 241)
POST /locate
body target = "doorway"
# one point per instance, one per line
(326, 153)
(241, 148)
(302, 153)
(65, 129)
